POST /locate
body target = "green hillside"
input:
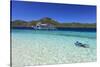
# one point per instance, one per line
(47, 20)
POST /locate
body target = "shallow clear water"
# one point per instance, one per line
(39, 47)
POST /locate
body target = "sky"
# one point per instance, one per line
(63, 13)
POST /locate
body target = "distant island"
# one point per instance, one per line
(46, 21)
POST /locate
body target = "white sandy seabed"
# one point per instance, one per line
(42, 50)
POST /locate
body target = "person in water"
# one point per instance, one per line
(81, 45)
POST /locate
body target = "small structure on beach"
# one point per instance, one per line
(40, 25)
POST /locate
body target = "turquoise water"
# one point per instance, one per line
(39, 47)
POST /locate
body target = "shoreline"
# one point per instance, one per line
(59, 29)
